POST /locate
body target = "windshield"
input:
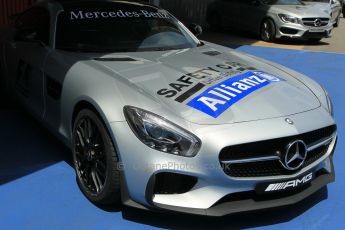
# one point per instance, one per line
(120, 27)
(282, 2)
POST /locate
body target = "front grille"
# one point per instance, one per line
(315, 22)
(270, 148)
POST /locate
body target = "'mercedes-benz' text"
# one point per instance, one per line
(80, 15)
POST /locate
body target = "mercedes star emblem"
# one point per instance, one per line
(317, 22)
(296, 154)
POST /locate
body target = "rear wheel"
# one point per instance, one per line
(268, 31)
(95, 159)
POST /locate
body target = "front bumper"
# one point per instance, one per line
(299, 31)
(250, 201)
(209, 196)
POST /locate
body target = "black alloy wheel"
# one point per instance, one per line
(95, 160)
(268, 31)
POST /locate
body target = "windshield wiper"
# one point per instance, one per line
(200, 44)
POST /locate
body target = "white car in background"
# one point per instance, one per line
(333, 7)
(272, 19)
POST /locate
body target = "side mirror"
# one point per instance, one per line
(195, 29)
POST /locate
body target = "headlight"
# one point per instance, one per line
(161, 134)
(329, 103)
(287, 18)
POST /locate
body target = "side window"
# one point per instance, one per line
(33, 25)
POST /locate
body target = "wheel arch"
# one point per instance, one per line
(83, 104)
(93, 106)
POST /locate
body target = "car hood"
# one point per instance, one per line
(175, 79)
(320, 5)
(300, 11)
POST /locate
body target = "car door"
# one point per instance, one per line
(26, 55)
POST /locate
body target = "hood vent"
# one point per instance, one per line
(212, 53)
(124, 59)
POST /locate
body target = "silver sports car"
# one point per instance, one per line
(160, 120)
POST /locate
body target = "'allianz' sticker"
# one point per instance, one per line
(218, 98)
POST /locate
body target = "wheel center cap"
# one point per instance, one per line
(90, 155)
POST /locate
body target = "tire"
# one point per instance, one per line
(314, 40)
(336, 24)
(95, 160)
(215, 22)
(268, 31)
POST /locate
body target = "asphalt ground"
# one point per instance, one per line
(38, 188)
(235, 38)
